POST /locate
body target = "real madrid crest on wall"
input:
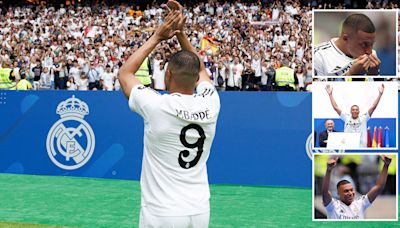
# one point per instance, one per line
(71, 141)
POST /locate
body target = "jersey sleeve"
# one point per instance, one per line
(365, 203)
(331, 206)
(143, 99)
(207, 91)
(344, 117)
(318, 65)
(366, 117)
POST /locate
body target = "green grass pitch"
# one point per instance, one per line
(48, 201)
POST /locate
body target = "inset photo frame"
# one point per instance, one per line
(355, 43)
(355, 187)
(355, 115)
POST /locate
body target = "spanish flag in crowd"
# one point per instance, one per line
(209, 43)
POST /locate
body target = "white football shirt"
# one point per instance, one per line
(329, 60)
(178, 133)
(336, 209)
(158, 75)
(358, 125)
(108, 80)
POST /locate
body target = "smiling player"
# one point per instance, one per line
(348, 206)
(354, 122)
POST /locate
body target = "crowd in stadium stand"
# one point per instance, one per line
(82, 48)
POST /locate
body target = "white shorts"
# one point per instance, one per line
(148, 220)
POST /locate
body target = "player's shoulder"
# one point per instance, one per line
(143, 88)
(361, 198)
(323, 47)
(365, 115)
(333, 204)
(141, 92)
(143, 99)
(335, 201)
(205, 89)
(345, 113)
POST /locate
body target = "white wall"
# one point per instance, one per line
(362, 94)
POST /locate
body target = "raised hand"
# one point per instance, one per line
(332, 163)
(381, 89)
(329, 89)
(386, 159)
(174, 5)
(169, 28)
(374, 65)
(360, 65)
(181, 23)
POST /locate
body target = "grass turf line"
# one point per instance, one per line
(89, 202)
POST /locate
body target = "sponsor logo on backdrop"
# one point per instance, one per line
(70, 142)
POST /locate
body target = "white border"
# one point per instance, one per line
(397, 11)
(353, 220)
(313, 148)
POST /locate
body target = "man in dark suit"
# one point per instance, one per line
(323, 136)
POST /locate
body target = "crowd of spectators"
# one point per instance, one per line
(82, 48)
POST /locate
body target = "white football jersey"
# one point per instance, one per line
(336, 209)
(329, 60)
(178, 132)
(358, 125)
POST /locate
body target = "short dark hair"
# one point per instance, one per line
(342, 182)
(358, 21)
(185, 66)
(23, 75)
(355, 106)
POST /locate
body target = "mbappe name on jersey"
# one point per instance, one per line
(184, 114)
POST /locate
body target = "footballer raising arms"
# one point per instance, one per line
(354, 122)
(348, 206)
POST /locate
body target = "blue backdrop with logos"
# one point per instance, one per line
(390, 123)
(261, 138)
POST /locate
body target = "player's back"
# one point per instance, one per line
(179, 130)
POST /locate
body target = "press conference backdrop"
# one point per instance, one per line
(390, 135)
(261, 138)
